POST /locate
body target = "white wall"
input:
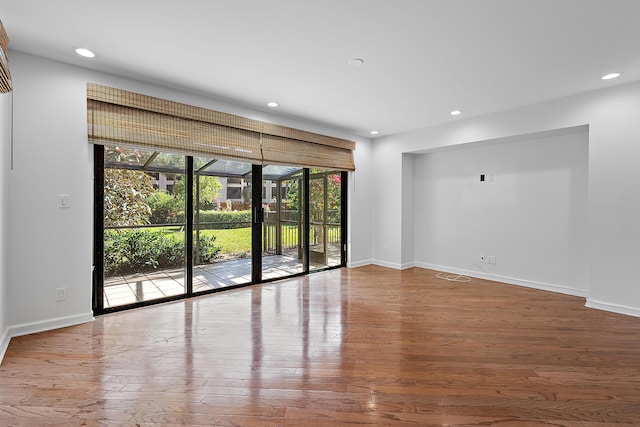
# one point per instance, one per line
(530, 213)
(5, 164)
(359, 208)
(613, 176)
(51, 247)
(409, 236)
(386, 203)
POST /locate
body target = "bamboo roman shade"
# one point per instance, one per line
(285, 151)
(5, 76)
(111, 124)
(119, 117)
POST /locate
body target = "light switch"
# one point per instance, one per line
(65, 201)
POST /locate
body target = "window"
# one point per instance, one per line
(234, 193)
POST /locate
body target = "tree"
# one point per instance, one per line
(210, 188)
(125, 155)
(125, 197)
(317, 189)
(126, 191)
(293, 194)
(334, 197)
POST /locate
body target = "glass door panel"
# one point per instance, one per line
(282, 243)
(222, 224)
(325, 230)
(144, 236)
(334, 237)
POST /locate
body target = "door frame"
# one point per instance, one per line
(256, 233)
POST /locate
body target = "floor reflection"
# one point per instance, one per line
(363, 346)
(139, 287)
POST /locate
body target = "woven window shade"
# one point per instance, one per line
(119, 117)
(5, 76)
(285, 151)
(111, 124)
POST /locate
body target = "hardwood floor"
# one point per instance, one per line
(353, 346)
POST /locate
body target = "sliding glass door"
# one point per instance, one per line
(144, 226)
(325, 219)
(222, 224)
(169, 226)
(283, 245)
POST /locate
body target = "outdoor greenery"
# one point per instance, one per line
(164, 208)
(208, 186)
(317, 190)
(223, 220)
(316, 199)
(130, 200)
(139, 250)
(231, 241)
(125, 197)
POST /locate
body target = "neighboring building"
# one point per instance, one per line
(232, 188)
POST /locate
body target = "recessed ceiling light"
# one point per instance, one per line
(82, 51)
(356, 62)
(272, 104)
(455, 112)
(611, 76)
(374, 132)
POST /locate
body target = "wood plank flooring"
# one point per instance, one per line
(363, 346)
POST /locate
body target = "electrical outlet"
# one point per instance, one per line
(483, 258)
(491, 259)
(61, 294)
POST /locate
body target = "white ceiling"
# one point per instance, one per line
(423, 58)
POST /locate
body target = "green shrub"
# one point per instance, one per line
(164, 208)
(142, 250)
(207, 250)
(222, 220)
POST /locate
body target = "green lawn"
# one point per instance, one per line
(231, 241)
(239, 239)
(235, 240)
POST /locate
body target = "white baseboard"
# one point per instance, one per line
(356, 264)
(4, 343)
(387, 264)
(615, 308)
(509, 280)
(393, 265)
(50, 324)
(35, 327)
